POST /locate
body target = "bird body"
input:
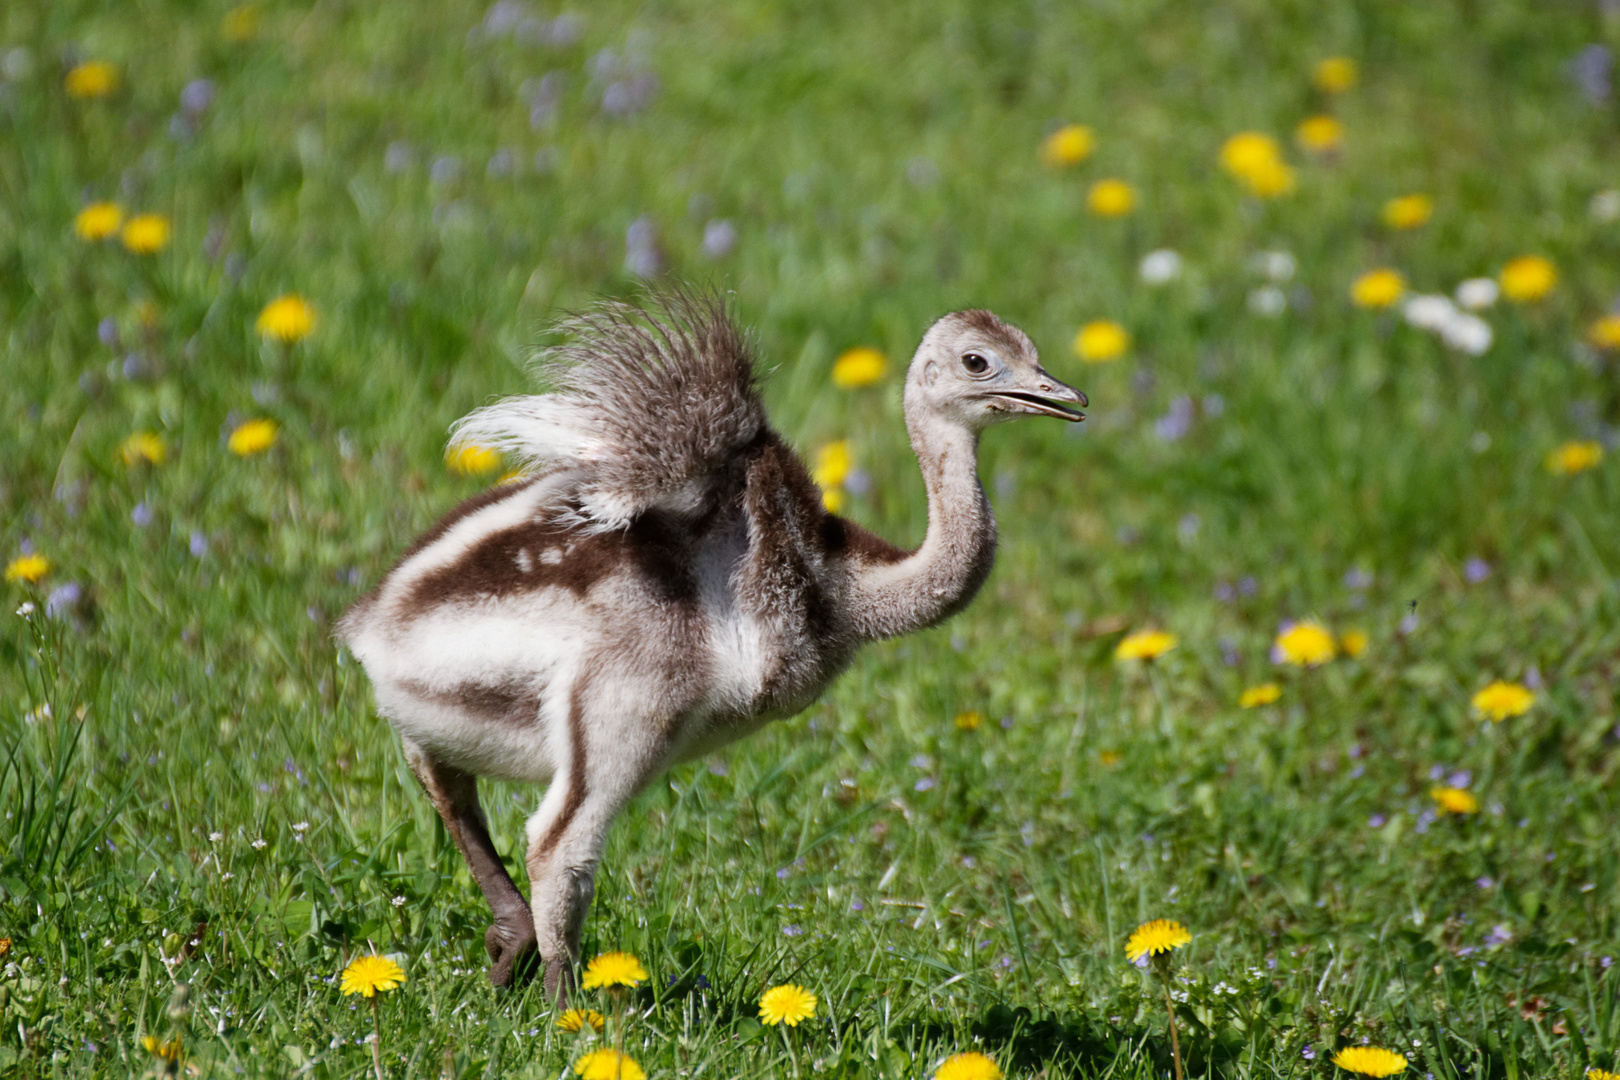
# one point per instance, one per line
(666, 583)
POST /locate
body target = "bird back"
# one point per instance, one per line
(651, 402)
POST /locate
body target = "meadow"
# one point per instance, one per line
(254, 261)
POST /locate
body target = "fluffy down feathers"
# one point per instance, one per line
(650, 403)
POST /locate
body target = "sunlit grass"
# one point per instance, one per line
(1349, 523)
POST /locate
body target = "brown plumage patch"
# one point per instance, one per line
(842, 537)
(358, 610)
(543, 554)
(512, 702)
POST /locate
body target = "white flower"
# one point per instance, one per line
(1428, 312)
(215, 837)
(301, 826)
(1279, 266)
(226, 876)
(260, 842)
(27, 609)
(1478, 292)
(1606, 205)
(1268, 301)
(398, 901)
(1467, 333)
(1160, 267)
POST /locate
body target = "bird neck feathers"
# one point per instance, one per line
(942, 576)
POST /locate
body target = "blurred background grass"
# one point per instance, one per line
(439, 181)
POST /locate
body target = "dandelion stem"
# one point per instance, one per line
(1175, 1046)
(376, 1036)
(622, 995)
(793, 1055)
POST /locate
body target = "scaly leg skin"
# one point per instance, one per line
(510, 941)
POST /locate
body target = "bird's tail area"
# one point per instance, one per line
(650, 400)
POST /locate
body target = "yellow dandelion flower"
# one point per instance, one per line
(786, 1004)
(573, 1021)
(29, 568)
(1145, 645)
(969, 1066)
(1334, 75)
(286, 319)
(1270, 179)
(1109, 758)
(1305, 644)
(145, 447)
(1100, 341)
(971, 720)
(1599, 1074)
(470, 460)
(1152, 938)
(832, 464)
(858, 367)
(146, 234)
(98, 221)
(1068, 145)
(1574, 457)
(1248, 151)
(1528, 278)
(1604, 333)
(5, 947)
(91, 79)
(1111, 198)
(608, 1064)
(165, 1049)
(1320, 134)
(252, 437)
(1454, 800)
(368, 975)
(1369, 1061)
(1255, 696)
(1501, 700)
(832, 500)
(240, 23)
(1353, 643)
(1408, 211)
(613, 969)
(1377, 288)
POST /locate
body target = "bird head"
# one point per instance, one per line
(980, 371)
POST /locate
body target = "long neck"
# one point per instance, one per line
(942, 576)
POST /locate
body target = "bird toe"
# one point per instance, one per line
(513, 954)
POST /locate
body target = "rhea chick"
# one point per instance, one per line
(666, 582)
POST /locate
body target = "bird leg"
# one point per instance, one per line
(567, 833)
(511, 940)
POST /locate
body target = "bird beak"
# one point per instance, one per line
(1045, 397)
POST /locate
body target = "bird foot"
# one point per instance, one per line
(514, 952)
(559, 981)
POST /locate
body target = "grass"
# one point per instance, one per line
(197, 791)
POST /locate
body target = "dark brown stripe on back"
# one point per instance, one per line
(654, 550)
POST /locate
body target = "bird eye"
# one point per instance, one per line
(975, 363)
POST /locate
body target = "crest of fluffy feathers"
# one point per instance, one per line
(649, 403)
